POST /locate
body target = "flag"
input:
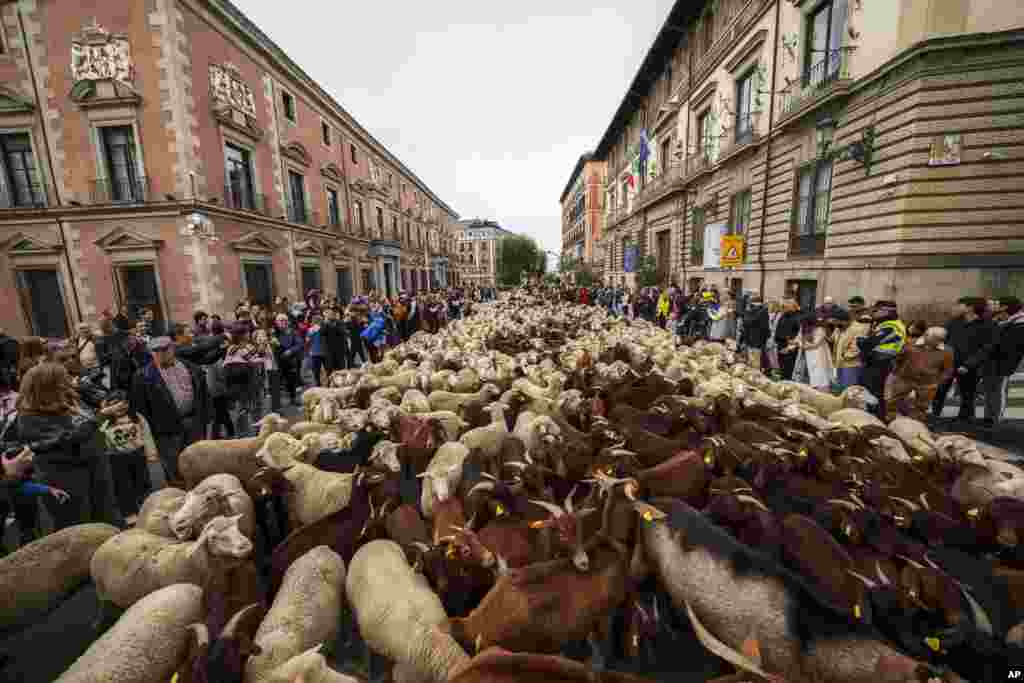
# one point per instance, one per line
(634, 171)
(645, 146)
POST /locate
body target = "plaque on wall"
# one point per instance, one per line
(98, 55)
(945, 150)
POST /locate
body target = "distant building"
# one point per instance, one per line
(850, 147)
(583, 212)
(477, 251)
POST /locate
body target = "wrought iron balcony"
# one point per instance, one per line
(819, 79)
(27, 196)
(118, 190)
(244, 199)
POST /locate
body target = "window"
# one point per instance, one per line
(739, 210)
(297, 197)
(138, 288)
(20, 186)
(360, 217)
(813, 202)
(744, 108)
(43, 302)
(344, 277)
(380, 222)
(391, 180)
(704, 145)
(259, 283)
(394, 227)
(666, 155)
(408, 233)
(707, 32)
(625, 193)
(404, 188)
(122, 183)
(310, 278)
(288, 104)
(325, 133)
(333, 214)
(353, 153)
(697, 237)
(367, 281)
(824, 41)
(238, 190)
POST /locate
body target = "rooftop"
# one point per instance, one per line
(584, 158)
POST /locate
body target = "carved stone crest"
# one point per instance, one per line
(229, 89)
(97, 55)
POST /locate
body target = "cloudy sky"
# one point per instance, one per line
(489, 103)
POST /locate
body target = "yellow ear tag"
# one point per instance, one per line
(499, 509)
(802, 453)
(636, 640)
(856, 611)
(973, 513)
(648, 517)
(450, 552)
(848, 529)
(933, 643)
(174, 678)
(709, 457)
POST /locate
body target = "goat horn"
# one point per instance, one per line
(981, 618)
(716, 646)
(931, 563)
(912, 563)
(550, 507)
(881, 574)
(913, 506)
(856, 499)
(863, 579)
(482, 486)
(843, 503)
(924, 501)
(752, 501)
(421, 546)
(585, 511)
(568, 499)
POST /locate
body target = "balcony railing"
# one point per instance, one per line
(807, 245)
(698, 162)
(833, 67)
(244, 199)
(30, 196)
(110, 191)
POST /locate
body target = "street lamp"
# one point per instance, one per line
(860, 151)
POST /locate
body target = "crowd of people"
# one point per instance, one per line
(82, 417)
(909, 367)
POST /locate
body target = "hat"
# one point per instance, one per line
(160, 343)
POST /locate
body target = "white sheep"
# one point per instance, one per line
(155, 513)
(134, 563)
(38, 576)
(219, 495)
(453, 401)
(231, 456)
(449, 421)
(305, 613)
(488, 439)
(442, 476)
(414, 401)
(309, 667)
(148, 642)
(826, 404)
(398, 614)
(534, 430)
(315, 494)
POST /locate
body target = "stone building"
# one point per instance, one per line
(848, 147)
(477, 251)
(582, 204)
(167, 153)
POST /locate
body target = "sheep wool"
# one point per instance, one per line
(155, 515)
(398, 613)
(36, 577)
(148, 642)
(305, 613)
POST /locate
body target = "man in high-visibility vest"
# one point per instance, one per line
(880, 350)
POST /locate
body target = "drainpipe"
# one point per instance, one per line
(768, 148)
(49, 163)
(686, 157)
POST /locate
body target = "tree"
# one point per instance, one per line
(647, 272)
(518, 256)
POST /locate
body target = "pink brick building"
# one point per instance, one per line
(167, 153)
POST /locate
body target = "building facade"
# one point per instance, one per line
(846, 146)
(477, 251)
(167, 153)
(582, 204)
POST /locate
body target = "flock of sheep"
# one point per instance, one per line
(536, 478)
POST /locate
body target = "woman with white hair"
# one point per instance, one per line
(85, 346)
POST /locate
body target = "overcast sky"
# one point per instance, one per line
(489, 103)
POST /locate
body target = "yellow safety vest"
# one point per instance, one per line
(895, 340)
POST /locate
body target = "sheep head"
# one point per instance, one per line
(470, 548)
(314, 444)
(380, 415)
(308, 667)
(568, 523)
(440, 481)
(280, 451)
(198, 507)
(222, 538)
(352, 419)
(226, 656)
(385, 455)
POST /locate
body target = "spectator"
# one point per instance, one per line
(817, 353)
(8, 361)
(66, 446)
(970, 335)
(266, 344)
(31, 353)
(316, 348)
(922, 367)
(154, 327)
(201, 324)
(242, 362)
(129, 445)
(756, 330)
(171, 395)
(123, 320)
(1004, 357)
(787, 329)
(849, 363)
(289, 355)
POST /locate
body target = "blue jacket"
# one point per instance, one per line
(289, 351)
(316, 347)
(375, 329)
